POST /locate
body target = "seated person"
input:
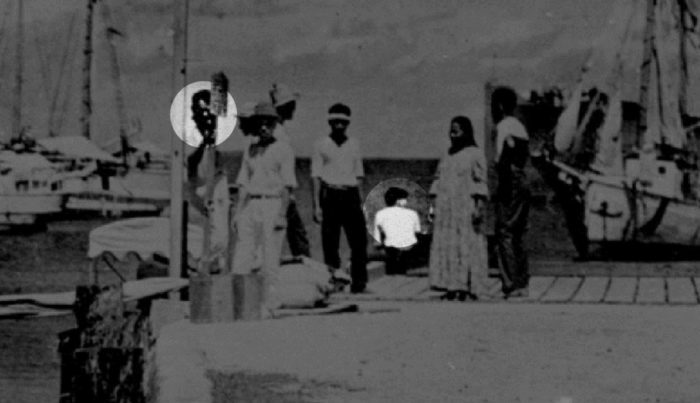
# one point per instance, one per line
(395, 227)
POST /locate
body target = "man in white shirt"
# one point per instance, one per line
(336, 170)
(395, 228)
(285, 102)
(265, 180)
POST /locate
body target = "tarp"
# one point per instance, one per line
(23, 161)
(76, 147)
(143, 236)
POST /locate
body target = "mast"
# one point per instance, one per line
(87, 68)
(646, 68)
(19, 63)
(683, 52)
(178, 242)
(115, 75)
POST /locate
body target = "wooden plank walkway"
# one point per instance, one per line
(555, 289)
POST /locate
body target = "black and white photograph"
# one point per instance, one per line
(297, 201)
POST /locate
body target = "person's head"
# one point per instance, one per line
(265, 120)
(201, 114)
(245, 119)
(503, 103)
(339, 118)
(284, 100)
(461, 134)
(395, 196)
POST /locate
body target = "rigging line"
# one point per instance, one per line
(64, 62)
(73, 46)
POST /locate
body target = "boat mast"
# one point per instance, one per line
(87, 68)
(646, 69)
(19, 63)
(111, 32)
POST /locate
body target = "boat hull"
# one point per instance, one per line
(618, 213)
(16, 209)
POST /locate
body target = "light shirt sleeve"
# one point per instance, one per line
(478, 169)
(416, 223)
(316, 161)
(359, 168)
(243, 173)
(288, 175)
(377, 229)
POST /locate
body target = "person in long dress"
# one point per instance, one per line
(458, 256)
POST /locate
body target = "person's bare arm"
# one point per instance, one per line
(316, 189)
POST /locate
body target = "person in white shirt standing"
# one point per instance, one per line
(285, 102)
(395, 228)
(336, 170)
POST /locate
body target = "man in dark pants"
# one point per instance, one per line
(512, 196)
(336, 170)
(285, 102)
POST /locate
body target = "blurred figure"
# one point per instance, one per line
(512, 196)
(458, 255)
(285, 102)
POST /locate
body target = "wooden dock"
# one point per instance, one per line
(579, 283)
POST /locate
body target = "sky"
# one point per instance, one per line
(405, 67)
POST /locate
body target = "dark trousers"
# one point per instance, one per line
(296, 233)
(511, 223)
(397, 260)
(342, 208)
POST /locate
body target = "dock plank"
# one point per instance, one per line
(681, 291)
(622, 290)
(563, 289)
(651, 290)
(592, 290)
(538, 286)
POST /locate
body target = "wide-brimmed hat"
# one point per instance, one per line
(281, 94)
(246, 110)
(265, 109)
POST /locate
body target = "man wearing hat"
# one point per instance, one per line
(285, 102)
(336, 170)
(265, 180)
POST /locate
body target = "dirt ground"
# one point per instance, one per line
(441, 352)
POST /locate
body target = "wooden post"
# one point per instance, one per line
(109, 356)
(177, 147)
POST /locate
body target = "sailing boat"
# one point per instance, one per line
(95, 180)
(639, 183)
(30, 186)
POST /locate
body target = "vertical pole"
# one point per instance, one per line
(177, 147)
(115, 71)
(19, 63)
(646, 69)
(87, 68)
(683, 43)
